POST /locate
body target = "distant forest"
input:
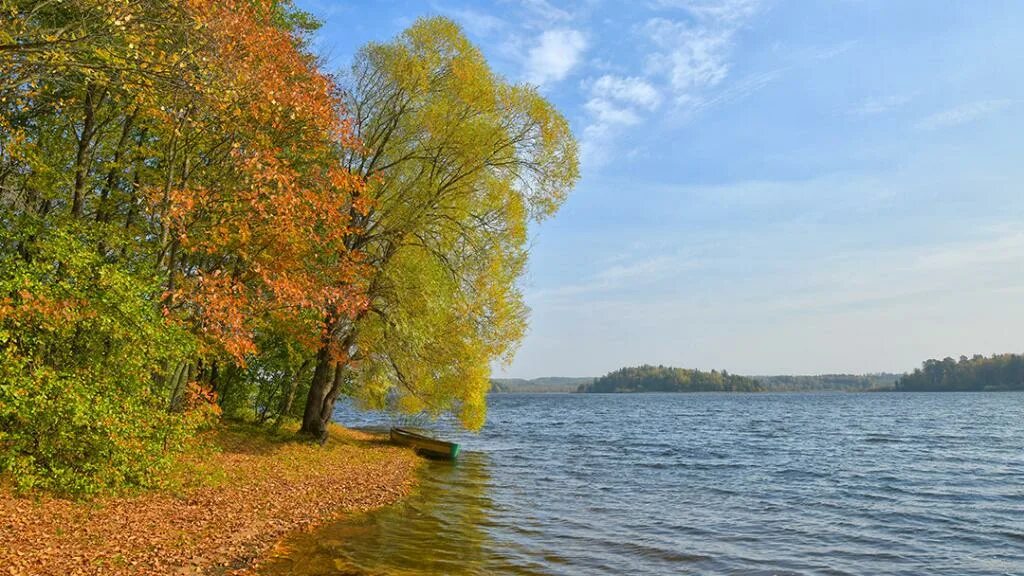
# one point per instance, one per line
(1000, 372)
(828, 382)
(667, 379)
(547, 384)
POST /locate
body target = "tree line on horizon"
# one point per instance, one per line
(827, 382)
(197, 221)
(542, 384)
(1000, 372)
(977, 373)
(649, 378)
(779, 383)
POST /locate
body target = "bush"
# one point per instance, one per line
(84, 403)
(83, 435)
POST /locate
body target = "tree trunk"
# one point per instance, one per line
(179, 380)
(327, 410)
(288, 398)
(82, 157)
(313, 423)
(102, 210)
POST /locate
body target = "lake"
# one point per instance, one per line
(925, 483)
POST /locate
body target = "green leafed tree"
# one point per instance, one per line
(458, 162)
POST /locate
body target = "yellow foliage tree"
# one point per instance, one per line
(458, 161)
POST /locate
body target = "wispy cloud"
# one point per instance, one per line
(614, 102)
(830, 52)
(690, 43)
(545, 10)
(860, 278)
(478, 23)
(722, 10)
(738, 90)
(692, 58)
(607, 113)
(1002, 244)
(879, 105)
(963, 114)
(693, 53)
(555, 54)
(631, 91)
(636, 271)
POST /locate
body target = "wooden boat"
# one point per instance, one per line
(425, 445)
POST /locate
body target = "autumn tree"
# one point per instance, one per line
(171, 196)
(256, 241)
(458, 162)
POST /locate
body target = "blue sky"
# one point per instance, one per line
(769, 186)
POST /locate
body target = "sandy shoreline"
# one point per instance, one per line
(252, 493)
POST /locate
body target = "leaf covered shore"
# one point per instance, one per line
(225, 509)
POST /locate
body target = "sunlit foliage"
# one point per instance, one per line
(195, 220)
(457, 161)
(170, 193)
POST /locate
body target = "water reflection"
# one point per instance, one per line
(439, 529)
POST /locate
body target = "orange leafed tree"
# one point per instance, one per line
(258, 237)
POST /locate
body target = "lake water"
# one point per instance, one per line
(704, 484)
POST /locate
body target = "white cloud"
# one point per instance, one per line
(630, 90)
(962, 114)
(557, 52)
(692, 57)
(606, 112)
(693, 54)
(615, 101)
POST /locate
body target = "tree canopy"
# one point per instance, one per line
(196, 219)
(457, 162)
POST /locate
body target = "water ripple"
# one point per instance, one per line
(801, 484)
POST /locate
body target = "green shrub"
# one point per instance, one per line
(82, 435)
(85, 406)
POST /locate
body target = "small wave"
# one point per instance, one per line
(1016, 536)
(882, 439)
(656, 552)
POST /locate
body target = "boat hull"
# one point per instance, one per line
(425, 445)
